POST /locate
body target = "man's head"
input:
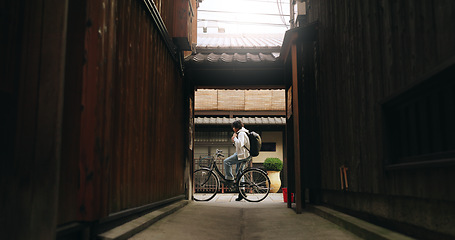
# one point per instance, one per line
(237, 125)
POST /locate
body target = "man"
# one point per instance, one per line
(241, 155)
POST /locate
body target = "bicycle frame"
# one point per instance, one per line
(214, 168)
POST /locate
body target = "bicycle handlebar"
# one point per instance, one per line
(218, 152)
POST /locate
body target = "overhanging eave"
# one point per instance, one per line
(265, 75)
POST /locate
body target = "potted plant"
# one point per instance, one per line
(273, 166)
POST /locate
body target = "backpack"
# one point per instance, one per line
(255, 143)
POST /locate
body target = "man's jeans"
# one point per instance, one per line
(233, 159)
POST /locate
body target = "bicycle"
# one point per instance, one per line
(252, 183)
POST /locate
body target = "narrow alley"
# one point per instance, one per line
(112, 110)
(224, 218)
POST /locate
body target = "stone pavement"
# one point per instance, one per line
(224, 218)
(229, 197)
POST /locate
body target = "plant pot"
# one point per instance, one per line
(275, 181)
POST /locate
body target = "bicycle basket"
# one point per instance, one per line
(204, 161)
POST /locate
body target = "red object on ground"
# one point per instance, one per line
(285, 195)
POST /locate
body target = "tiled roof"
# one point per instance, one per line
(239, 40)
(232, 58)
(245, 120)
(243, 61)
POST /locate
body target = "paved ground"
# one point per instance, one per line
(223, 218)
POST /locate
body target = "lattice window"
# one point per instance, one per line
(420, 122)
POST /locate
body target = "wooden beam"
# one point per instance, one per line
(183, 19)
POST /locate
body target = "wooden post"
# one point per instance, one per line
(295, 111)
(30, 180)
(89, 191)
(289, 156)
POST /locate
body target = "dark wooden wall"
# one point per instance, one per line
(156, 131)
(32, 63)
(368, 52)
(94, 114)
(131, 132)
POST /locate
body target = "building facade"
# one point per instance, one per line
(89, 89)
(370, 111)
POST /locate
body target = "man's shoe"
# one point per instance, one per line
(239, 198)
(229, 183)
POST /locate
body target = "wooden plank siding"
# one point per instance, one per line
(370, 51)
(95, 115)
(360, 67)
(132, 127)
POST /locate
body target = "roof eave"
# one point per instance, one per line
(231, 50)
(304, 33)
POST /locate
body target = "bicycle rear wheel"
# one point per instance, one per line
(254, 185)
(206, 185)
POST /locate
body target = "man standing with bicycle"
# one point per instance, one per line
(241, 155)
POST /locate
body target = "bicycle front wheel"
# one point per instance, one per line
(206, 185)
(254, 185)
